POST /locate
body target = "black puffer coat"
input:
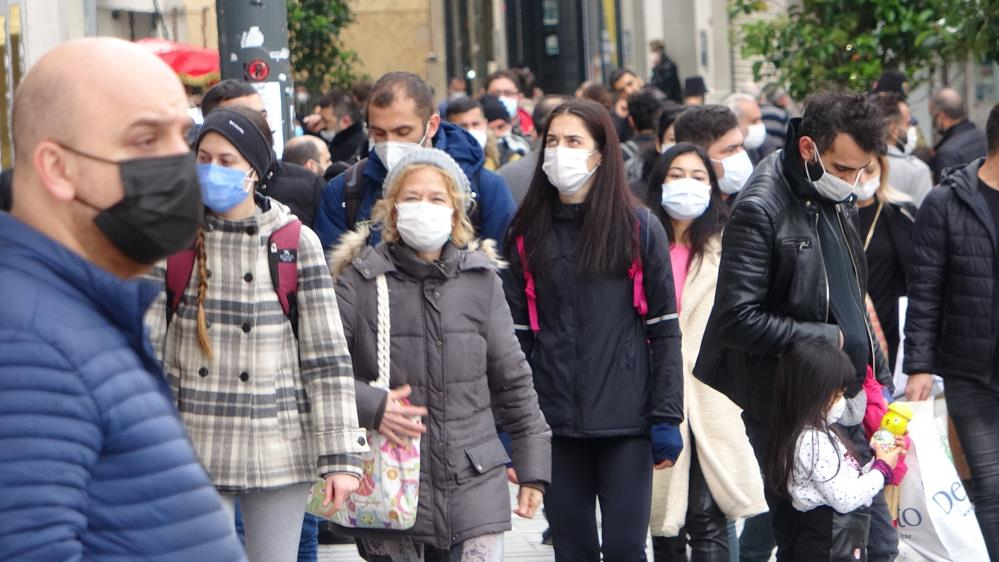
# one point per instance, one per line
(951, 323)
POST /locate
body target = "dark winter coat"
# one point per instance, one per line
(494, 204)
(298, 188)
(774, 286)
(961, 144)
(452, 341)
(952, 322)
(95, 464)
(346, 145)
(600, 369)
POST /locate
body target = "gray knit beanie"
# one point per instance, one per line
(436, 158)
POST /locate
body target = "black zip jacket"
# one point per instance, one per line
(600, 369)
(951, 323)
(774, 284)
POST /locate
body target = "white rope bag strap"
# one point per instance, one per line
(384, 333)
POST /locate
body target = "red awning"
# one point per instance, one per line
(194, 65)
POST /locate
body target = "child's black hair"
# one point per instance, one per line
(809, 375)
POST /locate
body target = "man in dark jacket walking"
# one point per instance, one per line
(95, 463)
(401, 116)
(952, 323)
(793, 269)
(664, 73)
(961, 141)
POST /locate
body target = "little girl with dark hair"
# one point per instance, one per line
(813, 466)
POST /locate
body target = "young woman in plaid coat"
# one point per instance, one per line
(267, 411)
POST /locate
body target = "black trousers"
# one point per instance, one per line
(615, 471)
(706, 530)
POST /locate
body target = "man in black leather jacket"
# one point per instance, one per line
(793, 269)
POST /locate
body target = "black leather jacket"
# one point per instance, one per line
(773, 288)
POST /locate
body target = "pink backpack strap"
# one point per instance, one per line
(179, 269)
(637, 274)
(283, 259)
(529, 288)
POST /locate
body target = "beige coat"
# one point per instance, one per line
(726, 457)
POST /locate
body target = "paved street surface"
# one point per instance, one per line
(523, 544)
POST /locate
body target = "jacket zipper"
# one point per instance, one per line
(856, 275)
(818, 243)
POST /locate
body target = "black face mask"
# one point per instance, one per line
(161, 211)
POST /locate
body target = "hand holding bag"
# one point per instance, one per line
(389, 495)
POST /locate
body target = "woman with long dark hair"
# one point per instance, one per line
(590, 287)
(716, 478)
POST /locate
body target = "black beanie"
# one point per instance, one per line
(244, 135)
(492, 109)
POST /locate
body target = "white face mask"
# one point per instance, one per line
(666, 146)
(911, 138)
(479, 135)
(567, 168)
(685, 198)
(390, 152)
(738, 168)
(829, 186)
(424, 226)
(510, 104)
(755, 136)
(836, 411)
(867, 189)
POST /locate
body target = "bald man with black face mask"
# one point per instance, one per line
(94, 462)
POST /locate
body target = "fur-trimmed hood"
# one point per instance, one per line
(371, 261)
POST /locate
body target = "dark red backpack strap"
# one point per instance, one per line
(282, 256)
(637, 274)
(529, 287)
(179, 269)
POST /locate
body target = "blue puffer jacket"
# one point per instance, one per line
(495, 206)
(94, 462)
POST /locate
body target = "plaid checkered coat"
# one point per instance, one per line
(268, 410)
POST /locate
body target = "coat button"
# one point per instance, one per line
(208, 274)
(203, 371)
(244, 376)
(247, 327)
(248, 278)
(252, 230)
(478, 467)
(437, 294)
(361, 441)
(439, 343)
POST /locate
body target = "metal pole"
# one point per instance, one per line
(253, 46)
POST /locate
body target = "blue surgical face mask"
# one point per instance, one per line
(222, 188)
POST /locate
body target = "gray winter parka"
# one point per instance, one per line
(452, 341)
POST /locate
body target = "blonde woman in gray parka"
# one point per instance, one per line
(454, 356)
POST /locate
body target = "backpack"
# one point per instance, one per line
(282, 258)
(353, 194)
(635, 272)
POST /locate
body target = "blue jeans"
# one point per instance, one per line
(973, 406)
(308, 545)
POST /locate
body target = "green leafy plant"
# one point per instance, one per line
(318, 59)
(848, 43)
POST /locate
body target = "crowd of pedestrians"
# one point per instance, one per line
(628, 301)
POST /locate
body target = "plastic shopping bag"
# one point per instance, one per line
(936, 520)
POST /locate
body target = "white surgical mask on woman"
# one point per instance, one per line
(867, 189)
(423, 226)
(911, 138)
(685, 198)
(568, 168)
(738, 167)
